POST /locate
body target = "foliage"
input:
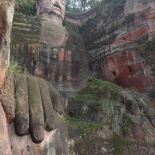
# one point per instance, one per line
(116, 6)
(26, 6)
(84, 128)
(14, 67)
(70, 26)
(84, 96)
(119, 144)
(80, 6)
(120, 140)
(130, 19)
(148, 46)
(99, 95)
(46, 123)
(146, 50)
(96, 89)
(98, 85)
(126, 123)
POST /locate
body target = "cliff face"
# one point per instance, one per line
(6, 17)
(6, 13)
(119, 39)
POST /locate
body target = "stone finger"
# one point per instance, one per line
(56, 99)
(148, 112)
(22, 108)
(36, 110)
(50, 122)
(132, 106)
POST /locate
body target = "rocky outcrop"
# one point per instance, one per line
(111, 120)
(5, 141)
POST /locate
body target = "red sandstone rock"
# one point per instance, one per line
(126, 69)
(6, 16)
(5, 148)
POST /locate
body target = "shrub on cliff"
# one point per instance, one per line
(26, 7)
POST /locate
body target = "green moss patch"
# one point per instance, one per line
(83, 128)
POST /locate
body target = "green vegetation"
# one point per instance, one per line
(101, 94)
(16, 108)
(146, 50)
(101, 88)
(46, 123)
(26, 29)
(98, 97)
(70, 26)
(83, 127)
(75, 42)
(148, 46)
(26, 7)
(81, 97)
(14, 67)
(119, 144)
(114, 7)
(126, 124)
(129, 19)
(112, 12)
(80, 6)
(120, 140)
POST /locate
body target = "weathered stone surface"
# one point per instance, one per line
(6, 17)
(126, 68)
(5, 148)
(26, 29)
(52, 10)
(6, 13)
(124, 130)
(32, 104)
(53, 34)
(7, 97)
(54, 143)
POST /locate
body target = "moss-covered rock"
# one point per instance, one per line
(105, 111)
